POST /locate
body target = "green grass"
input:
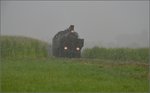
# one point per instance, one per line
(123, 54)
(25, 67)
(73, 75)
(22, 47)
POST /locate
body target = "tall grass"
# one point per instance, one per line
(126, 54)
(22, 47)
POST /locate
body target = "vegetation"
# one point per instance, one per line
(25, 67)
(22, 47)
(73, 75)
(124, 54)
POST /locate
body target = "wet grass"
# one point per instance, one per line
(123, 54)
(22, 47)
(26, 67)
(73, 75)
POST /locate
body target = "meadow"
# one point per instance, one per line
(27, 67)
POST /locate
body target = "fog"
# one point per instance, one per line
(100, 23)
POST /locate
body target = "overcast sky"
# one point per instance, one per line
(100, 23)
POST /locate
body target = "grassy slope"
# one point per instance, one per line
(26, 68)
(22, 47)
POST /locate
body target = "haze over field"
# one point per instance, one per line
(100, 23)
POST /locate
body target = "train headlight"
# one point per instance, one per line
(72, 31)
(77, 48)
(65, 48)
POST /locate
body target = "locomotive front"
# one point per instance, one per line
(67, 44)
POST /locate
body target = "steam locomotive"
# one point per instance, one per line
(67, 44)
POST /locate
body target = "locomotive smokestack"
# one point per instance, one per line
(71, 28)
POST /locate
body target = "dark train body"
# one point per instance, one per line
(67, 44)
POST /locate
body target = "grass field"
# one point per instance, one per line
(26, 67)
(73, 75)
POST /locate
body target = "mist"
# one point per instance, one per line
(100, 23)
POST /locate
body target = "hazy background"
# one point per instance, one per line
(100, 23)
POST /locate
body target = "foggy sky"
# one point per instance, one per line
(100, 23)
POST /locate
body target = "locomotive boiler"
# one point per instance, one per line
(67, 44)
